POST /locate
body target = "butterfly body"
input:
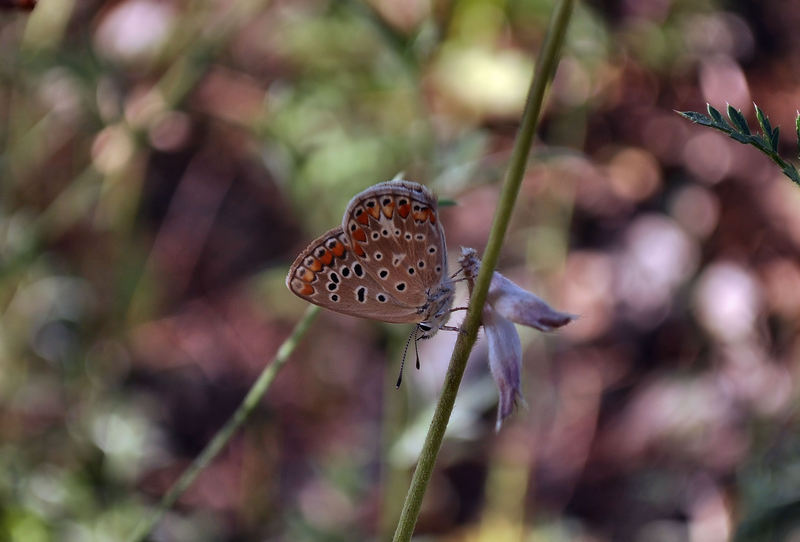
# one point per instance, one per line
(387, 261)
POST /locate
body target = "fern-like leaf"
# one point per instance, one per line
(738, 130)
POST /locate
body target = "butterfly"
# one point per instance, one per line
(387, 261)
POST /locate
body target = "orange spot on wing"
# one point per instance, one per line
(338, 249)
(374, 212)
(388, 210)
(326, 258)
(315, 265)
(307, 289)
(359, 251)
(421, 216)
(432, 216)
(307, 275)
(360, 235)
(404, 210)
(363, 218)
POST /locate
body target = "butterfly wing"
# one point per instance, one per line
(395, 233)
(328, 274)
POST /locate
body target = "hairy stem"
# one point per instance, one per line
(223, 436)
(545, 68)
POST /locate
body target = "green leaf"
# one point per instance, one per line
(738, 120)
(773, 139)
(797, 127)
(763, 121)
(741, 138)
(792, 173)
(697, 118)
(716, 115)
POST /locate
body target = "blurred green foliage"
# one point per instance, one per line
(162, 163)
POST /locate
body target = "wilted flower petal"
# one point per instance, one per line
(511, 301)
(523, 307)
(505, 360)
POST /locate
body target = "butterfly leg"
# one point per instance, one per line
(454, 275)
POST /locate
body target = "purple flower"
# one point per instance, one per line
(506, 303)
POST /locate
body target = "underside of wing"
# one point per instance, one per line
(328, 274)
(395, 232)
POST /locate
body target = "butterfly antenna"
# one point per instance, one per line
(416, 350)
(403, 361)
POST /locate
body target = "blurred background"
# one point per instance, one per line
(163, 162)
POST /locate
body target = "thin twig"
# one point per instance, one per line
(544, 70)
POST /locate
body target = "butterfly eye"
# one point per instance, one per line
(424, 327)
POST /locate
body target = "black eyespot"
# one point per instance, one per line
(387, 201)
(420, 264)
(334, 297)
(375, 235)
(424, 327)
(334, 277)
(383, 273)
(385, 232)
(438, 268)
(420, 237)
(359, 211)
(331, 243)
(358, 270)
(378, 256)
(332, 286)
(431, 249)
(381, 298)
(417, 207)
(345, 271)
(400, 286)
(352, 226)
(402, 201)
(309, 262)
(319, 252)
(410, 270)
(397, 233)
(408, 237)
(370, 204)
(361, 294)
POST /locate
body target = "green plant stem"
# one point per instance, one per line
(257, 391)
(545, 67)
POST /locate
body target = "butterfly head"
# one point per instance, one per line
(437, 310)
